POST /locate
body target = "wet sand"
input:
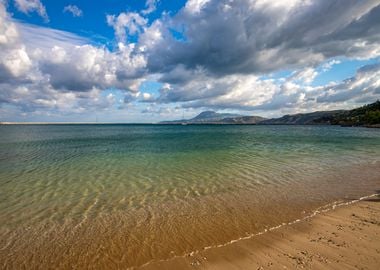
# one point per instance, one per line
(347, 237)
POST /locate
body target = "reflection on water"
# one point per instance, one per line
(126, 194)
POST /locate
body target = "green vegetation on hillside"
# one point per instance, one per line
(362, 116)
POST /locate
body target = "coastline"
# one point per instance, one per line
(343, 236)
(375, 126)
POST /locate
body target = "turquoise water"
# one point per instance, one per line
(149, 192)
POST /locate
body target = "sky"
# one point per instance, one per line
(145, 61)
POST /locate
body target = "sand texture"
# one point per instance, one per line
(347, 237)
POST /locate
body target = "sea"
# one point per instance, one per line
(123, 196)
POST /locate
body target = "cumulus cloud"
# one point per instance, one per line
(241, 36)
(221, 56)
(228, 45)
(290, 94)
(85, 67)
(51, 69)
(14, 60)
(27, 6)
(130, 23)
(364, 87)
(74, 10)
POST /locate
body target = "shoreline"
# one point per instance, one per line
(376, 126)
(257, 252)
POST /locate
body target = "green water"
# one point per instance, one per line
(163, 178)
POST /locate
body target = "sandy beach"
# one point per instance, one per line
(347, 237)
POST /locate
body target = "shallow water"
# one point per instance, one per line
(124, 195)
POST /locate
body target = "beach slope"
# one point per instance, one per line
(347, 237)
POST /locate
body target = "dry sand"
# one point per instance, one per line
(347, 237)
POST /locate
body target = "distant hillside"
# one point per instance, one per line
(313, 118)
(249, 120)
(211, 117)
(368, 115)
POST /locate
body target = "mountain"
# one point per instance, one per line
(211, 117)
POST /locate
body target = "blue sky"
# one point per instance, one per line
(146, 61)
(92, 23)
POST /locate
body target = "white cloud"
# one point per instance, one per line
(195, 6)
(327, 66)
(27, 6)
(43, 38)
(229, 91)
(52, 70)
(305, 76)
(130, 23)
(74, 10)
(284, 95)
(8, 31)
(230, 43)
(14, 60)
(265, 36)
(151, 6)
(227, 48)
(17, 61)
(364, 87)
